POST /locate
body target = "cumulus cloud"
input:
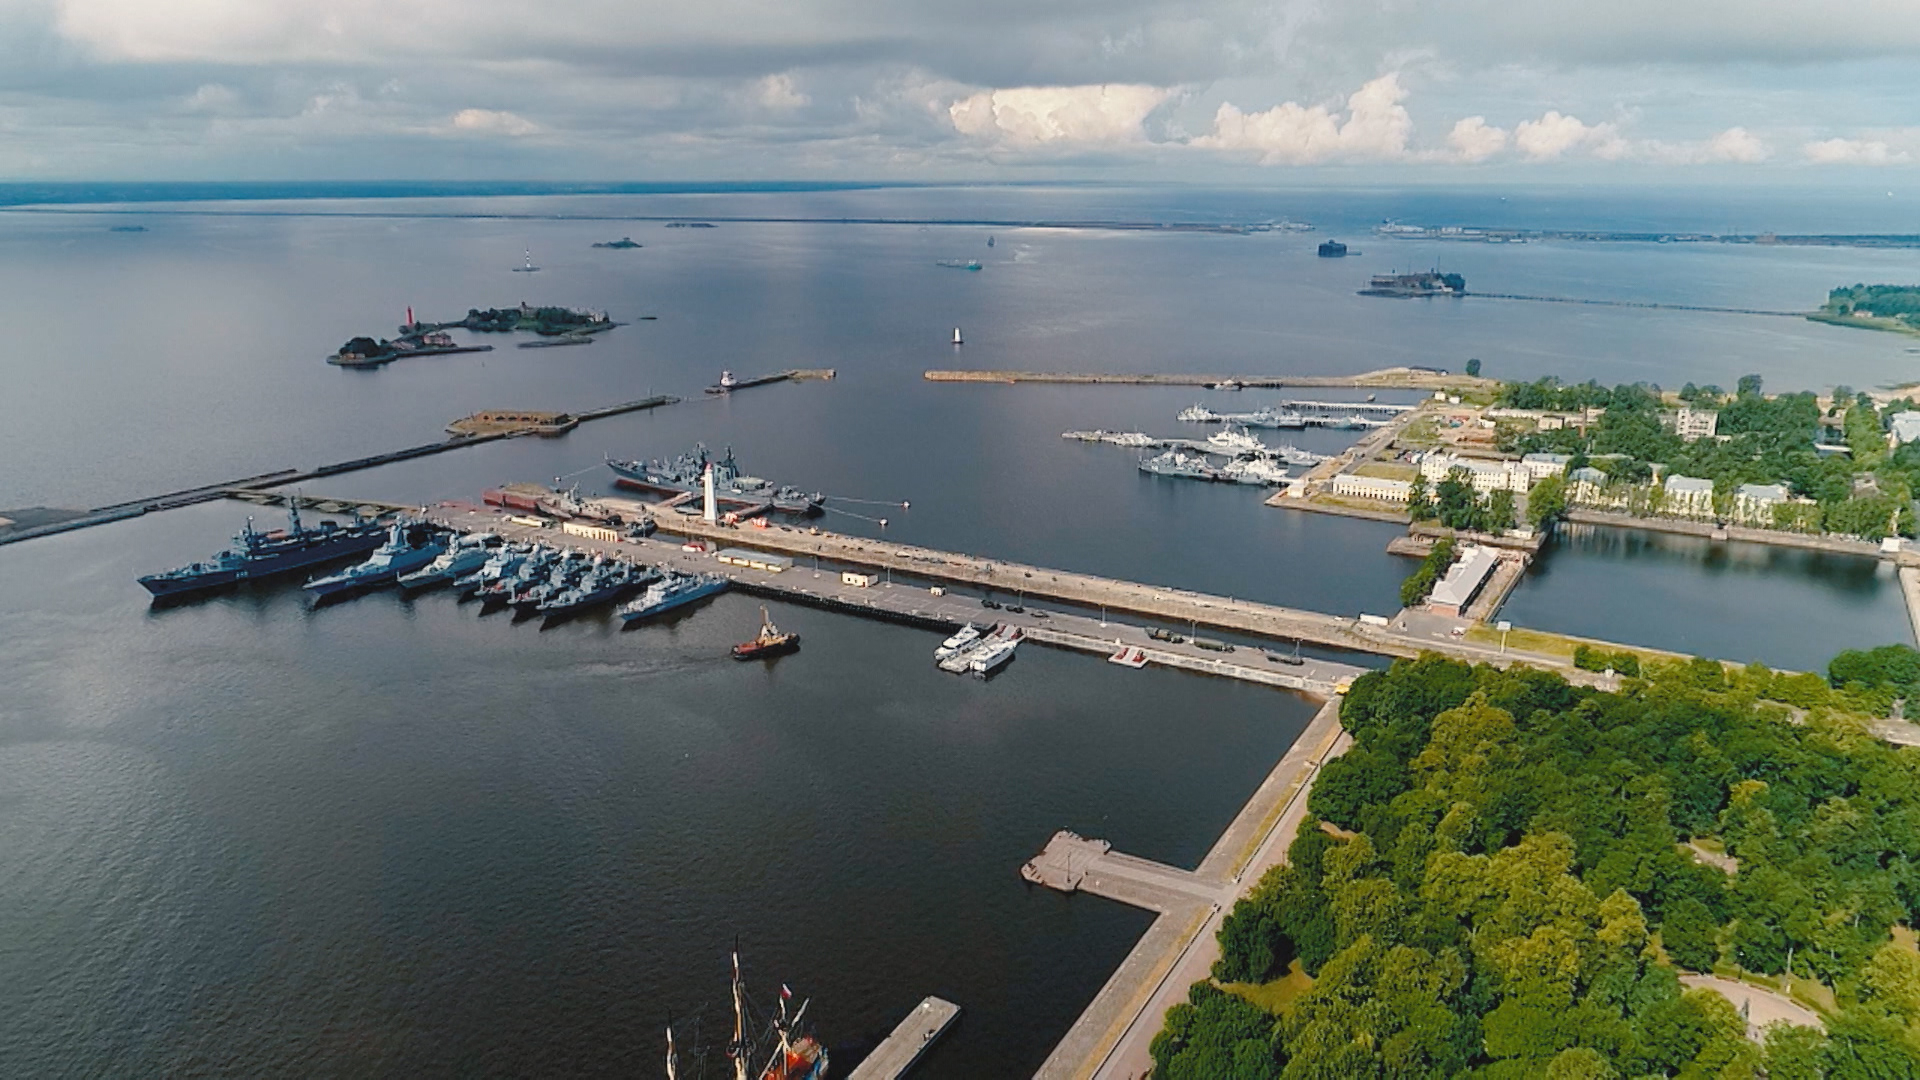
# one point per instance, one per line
(1473, 139)
(1852, 152)
(492, 122)
(1375, 127)
(1032, 115)
(779, 92)
(1554, 135)
(1735, 144)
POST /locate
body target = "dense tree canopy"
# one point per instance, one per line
(1509, 893)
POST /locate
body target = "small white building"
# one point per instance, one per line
(1688, 496)
(1380, 488)
(1453, 593)
(1690, 423)
(1905, 428)
(1753, 503)
(1541, 466)
(1485, 476)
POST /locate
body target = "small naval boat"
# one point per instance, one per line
(1199, 414)
(684, 474)
(500, 564)
(770, 642)
(994, 657)
(407, 549)
(465, 555)
(1180, 463)
(672, 591)
(603, 585)
(256, 555)
(961, 640)
(1270, 418)
(1229, 440)
(1256, 471)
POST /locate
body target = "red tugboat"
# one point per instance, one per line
(771, 642)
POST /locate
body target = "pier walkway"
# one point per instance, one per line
(1174, 607)
(909, 1040)
(1395, 378)
(1112, 1036)
(918, 605)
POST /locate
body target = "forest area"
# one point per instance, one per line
(1506, 876)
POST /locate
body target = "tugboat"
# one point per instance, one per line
(771, 642)
(257, 555)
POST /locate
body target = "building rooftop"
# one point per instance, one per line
(1689, 484)
(1465, 577)
(1548, 459)
(1763, 492)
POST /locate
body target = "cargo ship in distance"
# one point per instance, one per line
(257, 555)
(682, 476)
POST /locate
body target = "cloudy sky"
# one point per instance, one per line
(988, 89)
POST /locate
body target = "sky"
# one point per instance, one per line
(1209, 90)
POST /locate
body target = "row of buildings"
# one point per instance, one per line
(1671, 496)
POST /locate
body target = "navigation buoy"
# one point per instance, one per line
(956, 335)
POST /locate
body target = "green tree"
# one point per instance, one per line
(1748, 386)
(1214, 1035)
(1688, 933)
(1473, 367)
(1547, 501)
(1419, 500)
(1500, 515)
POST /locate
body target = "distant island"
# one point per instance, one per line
(1425, 283)
(127, 228)
(691, 225)
(562, 325)
(621, 244)
(1873, 307)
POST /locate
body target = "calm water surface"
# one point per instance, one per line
(392, 838)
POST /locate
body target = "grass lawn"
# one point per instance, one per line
(1276, 997)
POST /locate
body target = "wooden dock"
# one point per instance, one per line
(1396, 378)
(909, 1041)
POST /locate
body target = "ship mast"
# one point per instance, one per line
(673, 1059)
(738, 1051)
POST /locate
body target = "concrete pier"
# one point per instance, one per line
(1112, 1036)
(1910, 591)
(1396, 378)
(918, 605)
(909, 1040)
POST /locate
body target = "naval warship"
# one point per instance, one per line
(683, 475)
(257, 555)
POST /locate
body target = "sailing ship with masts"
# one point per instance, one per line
(783, 1052)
